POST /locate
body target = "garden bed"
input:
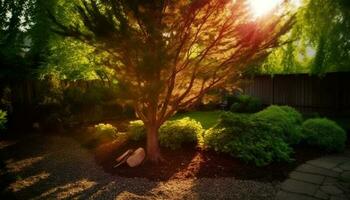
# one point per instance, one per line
(192, 162)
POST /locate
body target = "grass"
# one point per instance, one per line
(207, 118)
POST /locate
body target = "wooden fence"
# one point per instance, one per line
(329, 94)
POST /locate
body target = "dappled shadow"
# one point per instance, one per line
(68, 190)
(20, 165)
(54, 167)
(230, 188)
(22, 183)
(193, 162)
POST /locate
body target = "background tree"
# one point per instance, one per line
(13, 31)
(167, 54)
(66, 58)
(321, 40)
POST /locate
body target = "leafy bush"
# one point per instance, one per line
(105, 132)
(247, 137)
(3, 119)
(284, 121)
(324, 133)
(79, 99)
(174, 133)
(245, 104)
(136, 130)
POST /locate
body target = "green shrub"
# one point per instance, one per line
(105, 132)
(324, 133)
(174, 133)
(136, 130)
(248, 138)
(246, 104)
(284, 121)
(3, 119)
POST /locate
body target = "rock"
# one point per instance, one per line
(122, 159)
(299, 187)
(345, 176)
(136, 158)
(331, 189)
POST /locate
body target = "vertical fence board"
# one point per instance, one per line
(329, 94)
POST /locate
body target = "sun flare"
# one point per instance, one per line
(262, 7)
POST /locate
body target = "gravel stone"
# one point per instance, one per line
(57, 167)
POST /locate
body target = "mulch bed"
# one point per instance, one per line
(192, 162)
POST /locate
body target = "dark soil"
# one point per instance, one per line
(192, 162)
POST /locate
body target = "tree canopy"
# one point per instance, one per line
(29, 48)
(320, 40)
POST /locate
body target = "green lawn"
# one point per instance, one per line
(209, 118)
(206, 118)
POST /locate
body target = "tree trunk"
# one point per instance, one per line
(153, 151)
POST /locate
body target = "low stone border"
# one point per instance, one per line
(326, 178)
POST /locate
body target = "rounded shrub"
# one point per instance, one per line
(284, 121)
(136, 130)
(248, 138)
(3, 119)
(324, 133)
(173, 134)
(105, 132)
(246, 104)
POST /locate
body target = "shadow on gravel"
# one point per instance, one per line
(54, 167)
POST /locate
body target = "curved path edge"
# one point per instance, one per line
(326, 178)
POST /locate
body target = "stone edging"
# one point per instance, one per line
(326, 178)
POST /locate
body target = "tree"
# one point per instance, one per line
(24, 37)
(12, 34)
(167, 54)
(321, 40)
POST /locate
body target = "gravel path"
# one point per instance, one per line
(55, 167)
